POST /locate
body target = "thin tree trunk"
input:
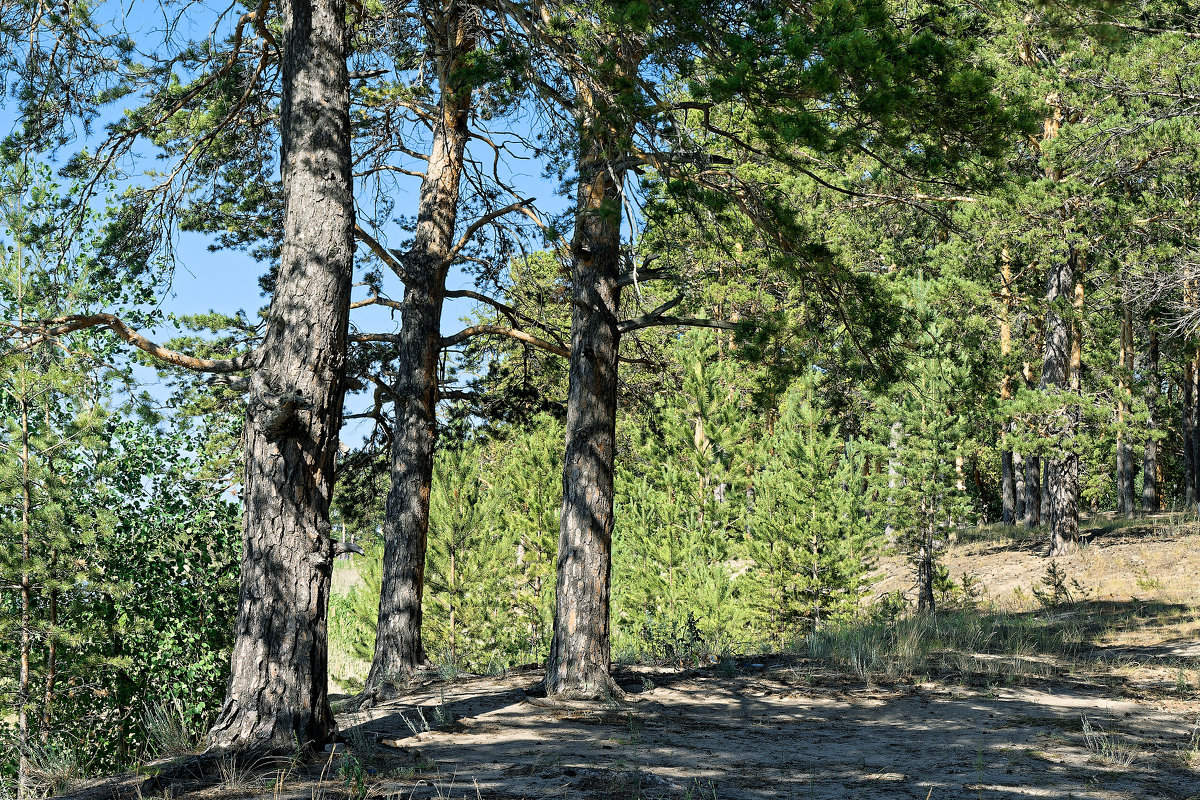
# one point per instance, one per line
(25, 677)
(1188, 414)
(579, 651)
(1020, 507)
(1125, 458)
(51, 620)
(1008, 488)
(398, 646)
(925, 599)
(1194, 416)
(1150, 462)
(276, 699)
(895, 434)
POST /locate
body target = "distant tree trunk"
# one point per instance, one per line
(1008, 488)
(1194, 427)
(1188, 414)
(1062, 471)
(925, 599)
(1020, 507)
(1150, 462)
(398, 646)
(579, 652)
(276, 698)
(1125, 458)
(25, 676)
(895, 434)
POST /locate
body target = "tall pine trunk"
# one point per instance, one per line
(1062, 470)
(276, 698)
(579, 652)
(398, 646)
(1150, 461)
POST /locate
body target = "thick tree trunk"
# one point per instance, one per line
(277, 698)
(1033, 491)
(398, 646)
(579, 652)
(1150, 462)
(1062, 471)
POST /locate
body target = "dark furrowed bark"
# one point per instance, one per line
(579, 652)
(398, 646)
(277, 698)
(1033, 491)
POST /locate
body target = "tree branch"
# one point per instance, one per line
(487, 218)
(52, 329)
(512, 333)
(389, 257)
(648, 319)
(684, 322)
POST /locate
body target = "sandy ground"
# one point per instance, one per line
(768, 732)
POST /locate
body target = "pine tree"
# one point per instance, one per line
(809, 535)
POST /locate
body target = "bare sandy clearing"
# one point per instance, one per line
(767, 734)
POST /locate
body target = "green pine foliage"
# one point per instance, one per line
(811, 537)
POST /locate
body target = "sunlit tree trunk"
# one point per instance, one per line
(579, 651)
(276, 698)
(398, 646)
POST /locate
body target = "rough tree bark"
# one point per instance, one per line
(1033, 491)
(1062, 477)
(398, 646)
(1019, 508)
(579, 652)
(1150, 461)
(277, 697)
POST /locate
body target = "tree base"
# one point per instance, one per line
(389, 688)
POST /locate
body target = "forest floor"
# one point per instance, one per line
(1091, 695)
